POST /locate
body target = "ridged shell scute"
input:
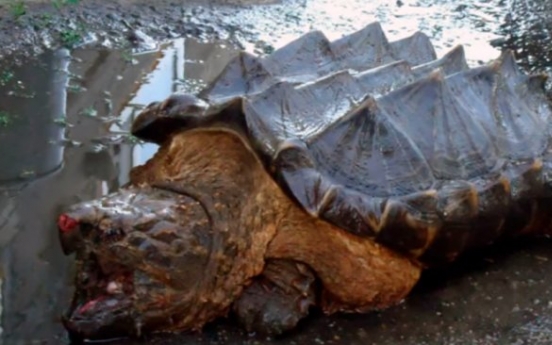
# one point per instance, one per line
(385, 140)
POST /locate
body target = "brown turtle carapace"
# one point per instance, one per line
(325, 175)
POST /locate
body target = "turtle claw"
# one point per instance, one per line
(277, 300)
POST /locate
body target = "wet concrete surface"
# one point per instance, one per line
(64, 120)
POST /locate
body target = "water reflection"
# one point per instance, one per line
(36, 285)
(36, 98)
(185, 66)
(30, 147)
(86, 102)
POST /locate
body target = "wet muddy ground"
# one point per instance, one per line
(253, 24)
(64, 119)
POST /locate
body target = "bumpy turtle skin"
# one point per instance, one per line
(356, 273)
(149, 242)
(190, 252)
(428, 159)
(192, 239)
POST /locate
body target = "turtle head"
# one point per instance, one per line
(142, 262)
(175, 248)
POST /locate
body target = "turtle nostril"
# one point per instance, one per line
(66, 224)
(69, 233)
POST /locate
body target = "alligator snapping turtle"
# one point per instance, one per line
(326, 174)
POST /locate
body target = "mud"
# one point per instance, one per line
(64, 120)
(249, 24)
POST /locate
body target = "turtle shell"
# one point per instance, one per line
(427, 156)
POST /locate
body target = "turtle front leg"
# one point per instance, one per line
(277, 299)
(356, 274)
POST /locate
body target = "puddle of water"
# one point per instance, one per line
(64, 122)
(65, 139)
(42, 154)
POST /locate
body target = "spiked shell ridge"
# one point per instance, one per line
(426, 155)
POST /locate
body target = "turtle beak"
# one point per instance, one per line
(69, 230)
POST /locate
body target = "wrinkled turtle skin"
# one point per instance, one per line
(326, 175)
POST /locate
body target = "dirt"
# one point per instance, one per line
(248, 24)
(64, 119)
